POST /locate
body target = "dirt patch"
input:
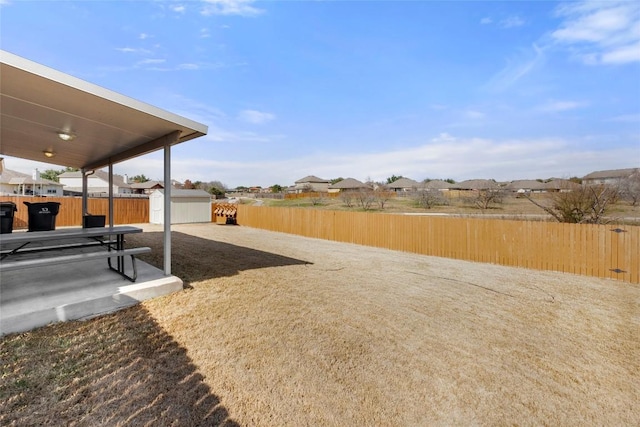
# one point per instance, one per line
(285, 330)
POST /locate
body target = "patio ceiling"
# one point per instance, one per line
(38, 102)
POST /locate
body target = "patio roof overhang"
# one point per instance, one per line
(37, 103)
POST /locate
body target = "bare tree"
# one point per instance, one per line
(484, 198)
(382, 194)
(431, 197)
(215, 188)
(316, 198)
(365, 198)
(630, 188)
(347, 198)
(585, 205)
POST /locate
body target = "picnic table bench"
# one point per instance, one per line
(14, 247)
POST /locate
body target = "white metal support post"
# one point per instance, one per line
(167, 207)
(110, 194)
(85, 191)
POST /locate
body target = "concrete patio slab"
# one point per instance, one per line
(39, 296)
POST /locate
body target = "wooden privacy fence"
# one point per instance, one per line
(126, 211)
(310, 195)
(592, 250)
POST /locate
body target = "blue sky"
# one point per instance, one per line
(423, 89)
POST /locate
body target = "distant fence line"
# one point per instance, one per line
(273, 196)
(591, 250)
(310, 195)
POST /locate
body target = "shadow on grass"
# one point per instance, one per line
(195, 259)
(119, 369)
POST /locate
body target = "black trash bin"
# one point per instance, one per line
(92, 221)
(6, 216)
(42, 216)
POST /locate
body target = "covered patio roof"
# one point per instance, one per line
(37, 103)
(50, 116)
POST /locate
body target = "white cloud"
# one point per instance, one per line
(155, 65)
(151, 61)
(133, 50)
(512, 22)
(255, 117)
(474, 115)
(143, 36)
(516, 68)
(558, 106)
(601, 32)
(438, 107)
(204, 33)
(622, 55)
(178, 8)
(626, 118)
(230, 7)
(188, 66)
(508, 22)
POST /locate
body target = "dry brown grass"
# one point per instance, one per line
(276, 329)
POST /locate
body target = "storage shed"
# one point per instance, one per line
(186, 206)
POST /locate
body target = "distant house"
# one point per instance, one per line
(97, 183)
(526, 186)
(146, 187)
(561, 185)
(609, 177)
(14, 183)
(311, 183)
(404, 185)
(436, 184)
(349, 184)
(476, 184)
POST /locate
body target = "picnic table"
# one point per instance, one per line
(47, 248)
